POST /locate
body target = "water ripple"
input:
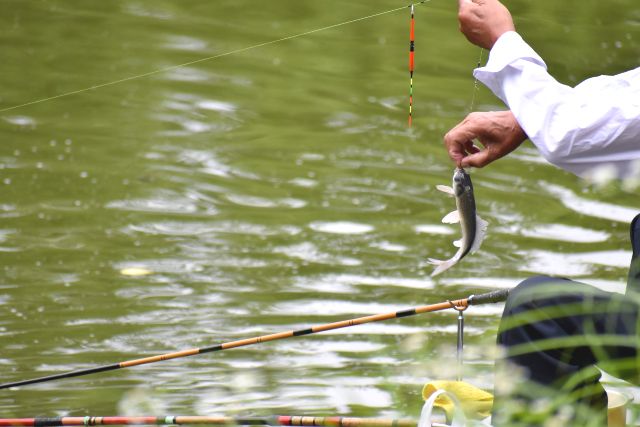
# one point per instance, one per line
(341, 283)
(573, 264)
(261, 202)
(177, 228)
(341, 227)
(389, 247)
(9, 211)
(211, 164)
(219, 106)
(557, 232)
(307, 251)
(21, 121)
(185, 43)
(434, 229)
(172, 290)
(337, 346)
(162, 204)
(4, 234)
(591, 207)
(187, 74)
(139, 9)
(329, 308)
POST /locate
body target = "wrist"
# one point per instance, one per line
(502, 35)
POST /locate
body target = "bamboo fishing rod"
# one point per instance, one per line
(278, 420)
(491, 297)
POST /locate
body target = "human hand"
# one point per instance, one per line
(484, 21)
(497, 131)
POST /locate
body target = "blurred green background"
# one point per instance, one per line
(266, 190)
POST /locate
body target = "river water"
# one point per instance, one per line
(270, 189)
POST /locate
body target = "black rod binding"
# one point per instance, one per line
(489, 297)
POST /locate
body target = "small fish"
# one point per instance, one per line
(473, 227)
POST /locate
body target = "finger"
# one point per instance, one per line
(457, 147)
(463, 132)
(473, 149)
(456, 153)
(470, 147)
(477, 160)
(460, 138)
(462, 3)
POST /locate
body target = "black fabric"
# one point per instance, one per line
(554, 332)
(633, 282)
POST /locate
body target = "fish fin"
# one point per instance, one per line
(481, 225)
(452, 217)
(446, 189)
(457, 243)
(442, 265)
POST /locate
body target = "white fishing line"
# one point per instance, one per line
(209, 58)
(475, 84)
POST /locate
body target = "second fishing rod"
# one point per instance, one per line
(491, 297)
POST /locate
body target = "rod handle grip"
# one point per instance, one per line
(489, 297)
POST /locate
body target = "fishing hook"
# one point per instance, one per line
(460, 343)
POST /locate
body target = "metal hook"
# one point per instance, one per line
(460, 344)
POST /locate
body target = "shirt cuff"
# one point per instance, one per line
(508, 52)
(509, 48)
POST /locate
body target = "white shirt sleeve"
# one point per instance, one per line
(596, 123)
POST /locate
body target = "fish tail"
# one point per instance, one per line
(441, 265)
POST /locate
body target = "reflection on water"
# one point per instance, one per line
(265, 191)
(566, 233)
(341, 227)
(575, 264)
(591, 207)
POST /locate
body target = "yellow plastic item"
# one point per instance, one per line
(476, 403)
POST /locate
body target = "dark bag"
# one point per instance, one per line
(633, 282)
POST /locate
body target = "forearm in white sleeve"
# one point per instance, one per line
(595, 123)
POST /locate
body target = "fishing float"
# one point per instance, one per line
(487, 298)
(412, 46)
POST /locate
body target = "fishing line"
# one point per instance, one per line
(475, 83)
(210, 58)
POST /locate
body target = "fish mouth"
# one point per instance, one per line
(459, 176)
(459, 171)
(461, 181)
